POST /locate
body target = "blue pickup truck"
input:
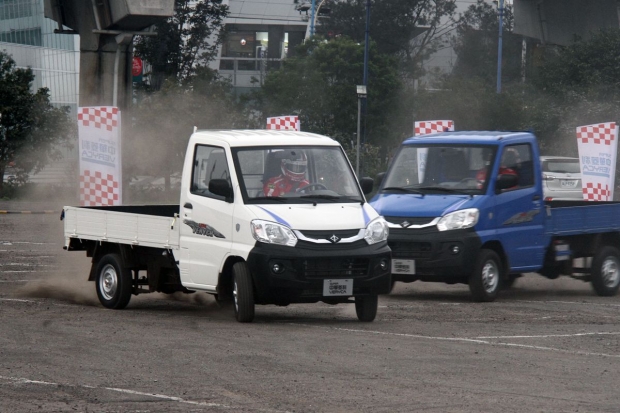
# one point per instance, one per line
(468, 207)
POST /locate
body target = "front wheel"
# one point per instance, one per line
(113, 282)
(366, 307)
(484, 281)
(606, 272)
(243, 293)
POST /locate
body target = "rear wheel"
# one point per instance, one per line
(243, 293)
(606, 271)
(484, 281)
(113, 282)
(366, 307)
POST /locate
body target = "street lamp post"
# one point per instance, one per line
(500, 9)
(361, 94)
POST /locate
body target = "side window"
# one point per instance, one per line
(517, 160)
(209, 163)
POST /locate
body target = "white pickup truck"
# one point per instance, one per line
(265, 217)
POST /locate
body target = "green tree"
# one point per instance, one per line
(184, 42)
(587, 67)
(318, 85)
(32, 131)
(410, 30)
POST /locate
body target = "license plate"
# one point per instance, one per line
(565, 183)
(403, 266)
(337, 287)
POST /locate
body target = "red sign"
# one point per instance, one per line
(136, 69)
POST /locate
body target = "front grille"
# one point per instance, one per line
(335, 267)
(410, 249)
(327, 234)
(345, 246)
(410, 220)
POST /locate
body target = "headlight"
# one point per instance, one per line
(376, 231)
(465, 218)
(272, 233)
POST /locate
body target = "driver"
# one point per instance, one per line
(292, 178)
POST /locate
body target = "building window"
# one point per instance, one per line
(15, 9)
(30, 37)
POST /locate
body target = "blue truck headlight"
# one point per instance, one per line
(272, 233)
(465, 218)
(376, 231)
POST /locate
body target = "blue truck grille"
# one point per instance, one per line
(401, 249)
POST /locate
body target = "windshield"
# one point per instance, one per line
(295, 174)
(440, 169)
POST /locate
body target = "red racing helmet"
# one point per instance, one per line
(295, 169)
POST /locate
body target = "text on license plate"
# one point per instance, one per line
(568, 183)
(337, 287)
(403, 266)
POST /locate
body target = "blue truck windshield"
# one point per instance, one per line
(441, 168)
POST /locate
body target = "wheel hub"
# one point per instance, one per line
(108, 282)
(490, 277)
(610, 272)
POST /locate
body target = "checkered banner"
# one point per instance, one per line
(432, 126)
(597, 145)
(423, 128)
(100, 155)
(283, 123)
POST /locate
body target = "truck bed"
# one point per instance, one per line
(144, 225)
(581, 217)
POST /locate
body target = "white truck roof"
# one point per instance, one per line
(260, 137)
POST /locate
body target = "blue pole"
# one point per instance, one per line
(312, 12)
(499, 46)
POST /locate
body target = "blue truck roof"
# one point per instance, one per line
(472, 137)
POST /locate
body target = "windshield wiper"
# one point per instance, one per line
(323, 196)
(443, 189)
(402, 189)
(269, 198)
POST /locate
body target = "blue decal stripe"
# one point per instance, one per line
(454, 207)
(99, 162)
(277, 218)
(366, 217)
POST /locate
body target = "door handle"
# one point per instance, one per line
(188, 206)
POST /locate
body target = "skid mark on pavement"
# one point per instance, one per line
(478, 340)
(20, 380)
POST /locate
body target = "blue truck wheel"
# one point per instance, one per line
(605, 271)
(484, 281)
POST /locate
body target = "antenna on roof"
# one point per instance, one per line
(195, 129)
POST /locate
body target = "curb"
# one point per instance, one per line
(29, 212)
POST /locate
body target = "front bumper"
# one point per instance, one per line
(302, 270)
(447, 256)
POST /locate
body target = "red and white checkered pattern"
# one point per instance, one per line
(433, 126)
(596, 192)
(99, 117)
(283, 123)
(97, 190)
(602, 133)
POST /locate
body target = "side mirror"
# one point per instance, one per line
(380, 177)
(366, 183)
(221, 187)
(505, 181)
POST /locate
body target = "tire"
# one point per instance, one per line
(366, 307)
(243, 293)
(484, 282)
(113, 282)
(606, 272)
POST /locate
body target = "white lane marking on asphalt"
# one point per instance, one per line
(25, 242)
(567, 302)
(601, 333)
(476, 340)
(19, 380)
(18, 300)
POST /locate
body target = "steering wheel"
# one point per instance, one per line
(312, 185)
(468, 181)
